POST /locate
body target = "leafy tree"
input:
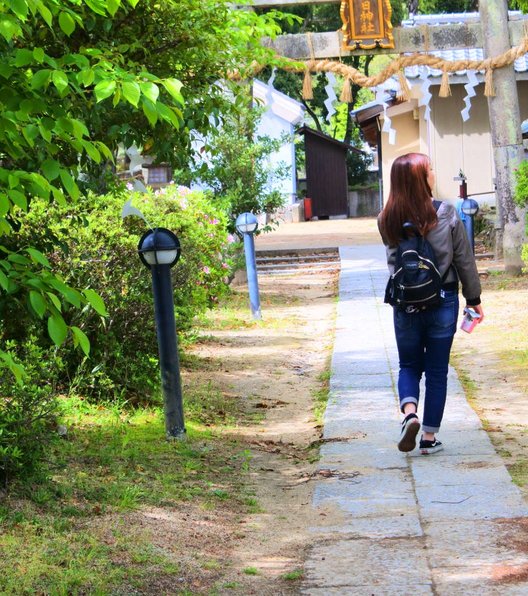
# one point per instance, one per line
(44, 140)
(236, 166)
(76, 78)
(447, 6)
(200, 42)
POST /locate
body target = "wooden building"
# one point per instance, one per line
(326, 173)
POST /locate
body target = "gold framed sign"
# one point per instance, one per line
(366, 24)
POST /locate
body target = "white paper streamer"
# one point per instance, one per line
(269, 93)
(426, 94)
(470, 90)
(331, 96)
(129, 209)
(381, 94)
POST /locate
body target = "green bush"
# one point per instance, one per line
(93, 247)
(27, 416)
(521, 196)
(521, 186)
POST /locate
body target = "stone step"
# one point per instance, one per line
(283, 262)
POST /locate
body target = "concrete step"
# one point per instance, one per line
(283, 262)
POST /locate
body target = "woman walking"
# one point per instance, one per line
(424, 336)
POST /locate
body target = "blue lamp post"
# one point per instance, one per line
(246, 225)
(159, 250)
(470, 208)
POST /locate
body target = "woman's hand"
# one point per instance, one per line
(479, 310)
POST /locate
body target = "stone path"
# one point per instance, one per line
(444, 524)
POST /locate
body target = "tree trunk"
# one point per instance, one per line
(505, 123)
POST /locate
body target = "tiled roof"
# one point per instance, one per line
(445, 18)
(412, 72)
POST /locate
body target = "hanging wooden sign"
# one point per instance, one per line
(366, 24)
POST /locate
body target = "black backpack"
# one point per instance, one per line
(416, 281)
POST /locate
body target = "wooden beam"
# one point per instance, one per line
(422, 38)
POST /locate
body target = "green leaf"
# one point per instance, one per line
(19, 7)
(97, 6)
(60, 80)
(96, 302)
(18, 259)
(38, 54)
(38, 303)
(44, 132)
(131, 92)
(18, 198)
(13, 181)
(87, 77)
(150, 111)
(58, 195)
(50, 168)
(113, 6)
(66, 23)
(104, 89)
(91, 151)
(38, 257)
(5, 71)
(45, 12)
(57, 329)
(105, 150)
(168, 114)
(16, 369)
(150, 91)
(79, 128)
(56, 302)
(40, 78)
(117, 98)
(174, 86)
(5, 204)
(23, 57)
(30, 133)
(9, 27)
(69, 184)
(4, 281)
(133, 3)
(80, 339)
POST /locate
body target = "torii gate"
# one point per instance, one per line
(496, 35)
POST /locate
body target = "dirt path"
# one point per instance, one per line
(277, 369)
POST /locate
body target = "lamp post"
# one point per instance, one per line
(159, 250)
(246, 225)
(470, 208)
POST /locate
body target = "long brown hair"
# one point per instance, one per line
(409, 198)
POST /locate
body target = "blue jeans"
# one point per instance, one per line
(424, 342)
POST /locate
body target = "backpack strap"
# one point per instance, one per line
(409, 226)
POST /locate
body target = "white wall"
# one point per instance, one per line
(275, 127)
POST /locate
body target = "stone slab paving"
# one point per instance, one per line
(399, 524)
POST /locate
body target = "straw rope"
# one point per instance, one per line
(352, 75)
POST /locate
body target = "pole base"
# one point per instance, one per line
(176, 434)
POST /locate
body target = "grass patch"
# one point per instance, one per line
(519, 472)
(112, 462)
(320, 396)
(251, 571)
(293, 576)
